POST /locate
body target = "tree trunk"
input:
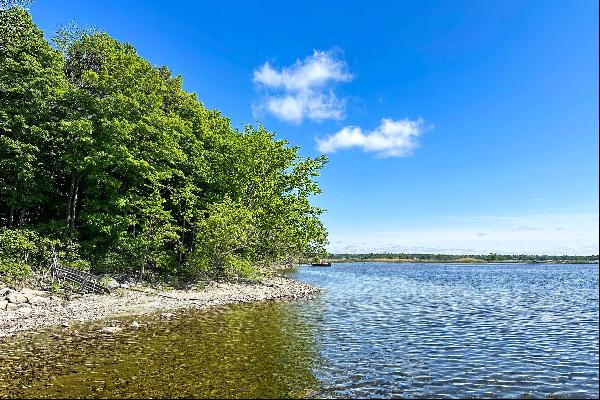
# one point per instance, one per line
(74, 206)
(11, 216)
(22, 218)
(69, 203)
(182, 249)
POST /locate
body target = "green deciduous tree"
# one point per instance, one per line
(105, 150)
(31, 82)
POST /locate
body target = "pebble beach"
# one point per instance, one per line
(27, 309)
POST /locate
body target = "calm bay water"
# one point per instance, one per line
(378, 330)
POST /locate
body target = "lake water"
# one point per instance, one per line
(378, 330)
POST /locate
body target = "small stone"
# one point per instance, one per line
(16, 297)
(166, 315)
(3, 304)
(124, 285)
(31, 293)
(4, 291)
(38, 300)
(135, 324)
(111, 329)
(24, 311)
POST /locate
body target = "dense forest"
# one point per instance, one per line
(108, 164)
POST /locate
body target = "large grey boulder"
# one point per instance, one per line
(16, 306)
(112, 284)
(16, 297)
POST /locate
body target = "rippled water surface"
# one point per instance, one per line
(378, 330)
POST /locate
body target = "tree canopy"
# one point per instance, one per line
(108, 155)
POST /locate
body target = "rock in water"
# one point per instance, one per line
(111, 329)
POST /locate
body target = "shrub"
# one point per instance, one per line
(13, 273)
(225, 241)
(28, 247)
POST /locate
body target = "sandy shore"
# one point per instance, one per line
(28, 310)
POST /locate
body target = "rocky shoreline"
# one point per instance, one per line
(26, 309)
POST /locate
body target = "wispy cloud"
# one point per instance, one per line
(390, 139)
(475, 235)
(303, 89)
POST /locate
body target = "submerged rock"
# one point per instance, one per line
(111, 329)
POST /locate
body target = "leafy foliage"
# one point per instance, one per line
(105, 152)
(23, 249)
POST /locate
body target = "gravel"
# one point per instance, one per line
(38, 309)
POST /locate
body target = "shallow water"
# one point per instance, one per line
(379, 330)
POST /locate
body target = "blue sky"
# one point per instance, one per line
(456, 127)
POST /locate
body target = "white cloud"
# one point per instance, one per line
(303, 89)
(315, 106)
(390, 139)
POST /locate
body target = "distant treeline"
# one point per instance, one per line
(108, 164)
(493, 257)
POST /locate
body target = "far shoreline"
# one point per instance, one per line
(404, 261)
